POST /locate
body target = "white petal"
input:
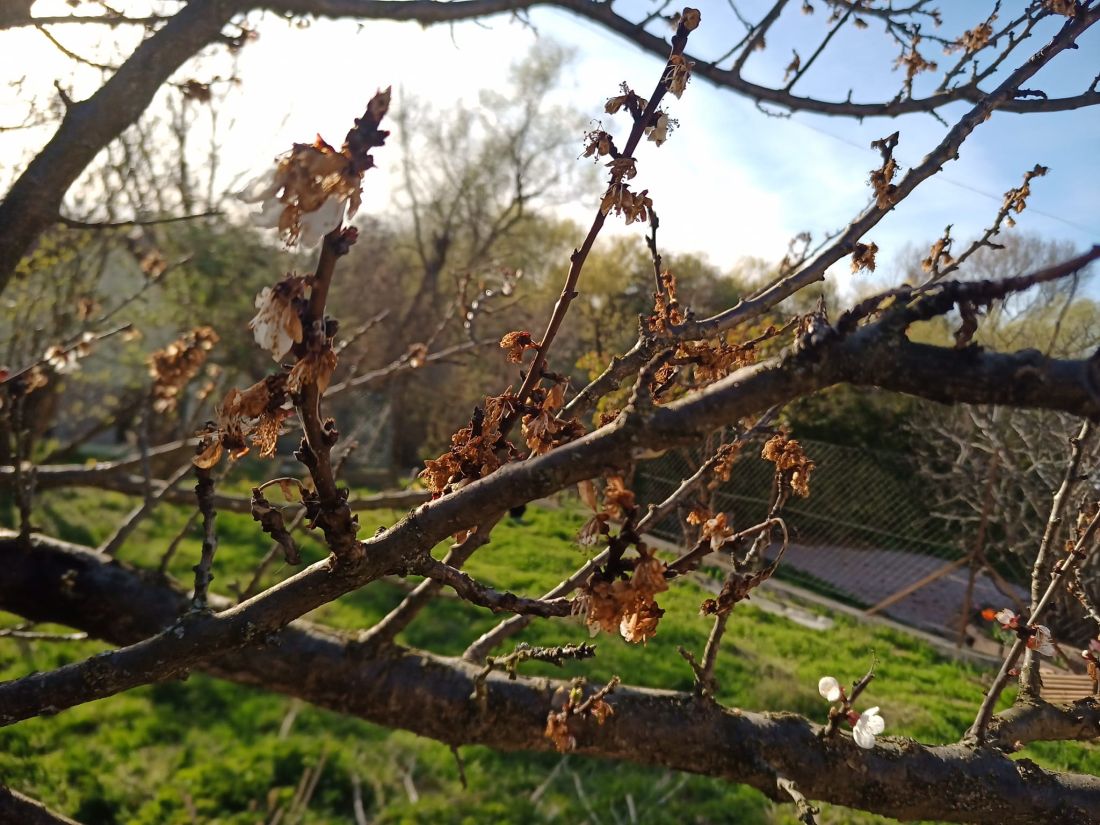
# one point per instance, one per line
(317, 224)
(268, 216)
(282, 343)
(863, 737)
(262, 298)
(1005, 616)
(829, 688)
(875, 723)
(260, 188)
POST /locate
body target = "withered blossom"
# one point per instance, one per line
(544, 430)
(974, 39)
(793, 66)
(716, 530)
(618, 500)
(173, 367)
(939, 254)
(277, 326)
(1064, 7)
(914, 62)
(66, 359)
(476, 450)
(863, 256)
(515, 344)
(1015, 199)
(626, 605)
(634, 206)
(311, 187)
(315, 367)
(255, 414)
(622, 168)
(658, 130)
(790, 462)
(679, 72)
(599, 143)
(628, 99)
(306, 194)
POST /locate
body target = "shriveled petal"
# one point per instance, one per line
(829, 688)
(1041, 641)
(1005, 616)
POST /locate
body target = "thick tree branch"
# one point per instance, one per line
(875, 355)
(1035, 720)
(17, 809)
(33, 203)
(430, 11)
(431, 695)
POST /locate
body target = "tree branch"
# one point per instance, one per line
(874, 355)
(430, 695)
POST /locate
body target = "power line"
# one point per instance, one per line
(952, 182)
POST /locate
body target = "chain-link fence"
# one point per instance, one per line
(865, 535)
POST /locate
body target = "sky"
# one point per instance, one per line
(731, 182)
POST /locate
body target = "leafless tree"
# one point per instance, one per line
(690, 376)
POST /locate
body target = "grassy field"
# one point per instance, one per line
(206, 751)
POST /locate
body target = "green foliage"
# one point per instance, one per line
(149, 755)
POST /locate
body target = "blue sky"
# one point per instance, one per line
(731, 182)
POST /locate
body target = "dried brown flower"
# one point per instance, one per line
(792, 67)
(315, 367)
(678, 74)
(173, 367)
(863, 256)
(791, 463)
(976, 38)
(516, 343)
(1065, 7)
(1016, 199)
(599, 143)
(307, 193)
(716, 530)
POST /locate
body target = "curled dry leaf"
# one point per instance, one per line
(271, 522)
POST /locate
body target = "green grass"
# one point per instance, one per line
(211, 752)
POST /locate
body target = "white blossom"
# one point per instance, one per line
(829, 688)
(1041, 642)
(276, 327)
(317, 224)
(1006, 617)
(867, 727)
(658, 132)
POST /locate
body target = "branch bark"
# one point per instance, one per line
(875, 355)
(431, 696)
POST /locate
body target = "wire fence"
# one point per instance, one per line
(864, 537)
